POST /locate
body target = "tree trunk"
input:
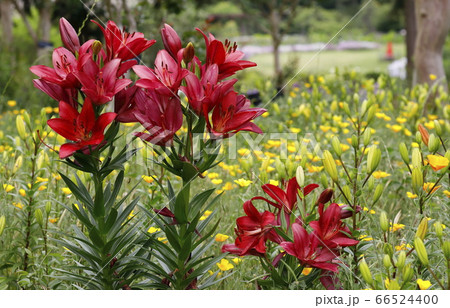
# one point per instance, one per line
(411, 33)
(6, 11)
(25, 20)
(433, 22)
(275, 33)
(132, 27)
(45, 24)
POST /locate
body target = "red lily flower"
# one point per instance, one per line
(125, 104)
(160, 115)
(225, 56)
(100, 85)
(253, 231)
(63, 73)
(69, 36)
(123, 45)
(231, 115)
(331, 230)
(57, 92)
(306, 248)
(165, 78)
(82, 128)
(171, 40)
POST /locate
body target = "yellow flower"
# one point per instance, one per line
(380, 174)
(395, 227)
(163, 239)
(438, 162)
(41, 188)
(131, 215)
(22, 192)
(236, 260)
(407, 132)
(428, 186)
(401, 120)
(216, 181)
(11, 103)
(306, 271)
(344, 147)
(364, 237)
(205, 215)
(227, 186)
(324, 128)
(57, 176)
(48, 109)
(148, 179)
(365, 209)
(39, 180)
(8, 187)
(411, 195)
(433, 77)
(243, 182)
(66, 190)
(273, 182)
(265, 114)
(18, 205)
(213, 175)
(423, 284)
(429, 125)
(53, 220)
(447, 193)
(396, 128)
(432, 117)
(402, 247)
(312, 169)
(295, 130)
(221, 237)
(243, 151)
(224, 265)
(153, 230)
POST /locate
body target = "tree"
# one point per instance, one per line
(6, 22)
(433, 24)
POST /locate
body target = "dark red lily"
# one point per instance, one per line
(82, 128)
(331, 230)
(69, 36)
(123, 45)
(253, 231)
(63, 73)
(231, 115)
(125, 104)
(100, 85)
(171, 40)
(228, 59)
(57, 92)
(161, 116)
(306, 248)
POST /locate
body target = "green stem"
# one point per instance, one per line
(435, 277)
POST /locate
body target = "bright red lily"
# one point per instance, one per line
(125, 104)
(331, 230)
(306, 247)
(253, 231)
(171, 40)
(100, 85)
(231, 115)
(82, 128)
(69, 36)
(160, 115)
(123, 45)
(57, 92)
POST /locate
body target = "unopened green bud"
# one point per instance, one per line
(393, 285)
(365, 271)
(300, 176)
(43, 117)
(347, 110)
(40, 161)
(371, 182)
(387, 261)
(438, 229)
(404, 153)
(438, 128)
(416, 158)
(384, 222)
(418, 137)
(48, 207)
(18, 164)
(367, 135)
(447, 154)
(39, 217)
(387, 249)
(371, 113)
(96, 47)
(20, 124)
(433, 143)
(276, 109)
(422, 228)
(364, 107)
(2, 224)
(401, 259)
(446, 250)
(421, 251)
(336, 144)
(354, 141)
(291, 168)
(188, 53)
(417, 180)
(26, 118)
(281, 169)
(126, 167)
(407, 272)
(324, 180)
(373, 158)
(378, 192)
(330, 165)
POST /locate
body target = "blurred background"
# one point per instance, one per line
(285, 38)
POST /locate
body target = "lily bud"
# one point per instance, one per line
(404, 153)
(354, 141)
(347, 211)
(69, 36)
(378, 192)
(416, 158)
(373, 159)
(371, 113)
(300, 176)
(424, 134)
(387, 261)
(384, 222)
(21, 127)
(2, 224)
(367, 135)
(96, 47)
(446, 250)
(39, 217)
(417, 180)
(18, 164)
(48, 207)
(336, 144)
(281, 169)
(171, 40)
(438, 128)
(401, 259)
(433, 143)
(43, 117)
(325, 196)
(188, 53)
(371, 183)
(365, 271)
(26, 118)
(387, 249)
(347, 110)
(330, 165)
(438, 229)
(408, 272)
(422, 229)
(421, 251)
(323, 180)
